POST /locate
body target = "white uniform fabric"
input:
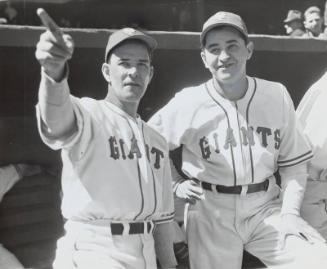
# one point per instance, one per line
(115, 168)
(236, 143)
(243, 142)
(313, 108)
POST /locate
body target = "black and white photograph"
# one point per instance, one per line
(163, 134)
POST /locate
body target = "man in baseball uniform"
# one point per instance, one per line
(116, 176)
(312, 108)
(236, 132)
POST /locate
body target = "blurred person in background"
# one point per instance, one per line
(293, 23)
(313, 22)
(9, 176)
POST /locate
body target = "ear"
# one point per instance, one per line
(106, 72)
(250, 48)
(203, 57)
(151, 73)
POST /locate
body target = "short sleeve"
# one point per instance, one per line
(172, 122)
(294, 148)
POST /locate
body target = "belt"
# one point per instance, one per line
(119, 228)
(251, 188)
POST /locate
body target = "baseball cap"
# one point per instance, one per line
(293, 15)
(124, 34)
(312, 9)
(224, 18)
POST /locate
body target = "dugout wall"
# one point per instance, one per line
(34, 204)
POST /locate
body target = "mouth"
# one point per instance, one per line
(132, 84)
(225, 66)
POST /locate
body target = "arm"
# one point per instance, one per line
(163, 237)
(53, 51)
(294, 153)
(293, 183)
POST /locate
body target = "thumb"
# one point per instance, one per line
(281, 240)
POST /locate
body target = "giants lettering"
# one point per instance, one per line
(246, 136)
(118, 151)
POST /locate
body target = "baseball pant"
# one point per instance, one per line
(314, 206)
(86, 246)
(220, 227)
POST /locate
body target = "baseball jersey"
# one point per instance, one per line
(114, 167)
(233, 142)
(313, 108)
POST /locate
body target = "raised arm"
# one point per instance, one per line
(53, 51)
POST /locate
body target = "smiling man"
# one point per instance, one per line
(236, 131)
(117, 193)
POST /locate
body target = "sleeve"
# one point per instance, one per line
(294, 147)
(172, 122)
(310, 112)
(168, 211)
(294, 153)
(55, 111)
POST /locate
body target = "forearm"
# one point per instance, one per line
(294, 181)
(55, 106)
(163, 237)
(177, 178)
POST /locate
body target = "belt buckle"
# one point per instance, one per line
(126, 228)
(244, 190)
(152, 227)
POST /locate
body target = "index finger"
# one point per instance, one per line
(49, 23)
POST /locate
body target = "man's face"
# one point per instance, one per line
(225, 54)
(292, 26)
(313, 23)
(129, 71)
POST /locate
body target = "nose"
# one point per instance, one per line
(224, 56)
(132, 71)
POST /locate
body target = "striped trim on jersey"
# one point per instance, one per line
(165, 218)
(294, 161)
(228, 122)
(248, 124)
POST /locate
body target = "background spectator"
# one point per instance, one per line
(313, 22)
(9, 175)
(293, 23)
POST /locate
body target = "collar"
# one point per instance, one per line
(221, 99)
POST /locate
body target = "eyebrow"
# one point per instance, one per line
(228, 42)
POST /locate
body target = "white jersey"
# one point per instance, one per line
(313, 108)
(115, 167)
(233, 142)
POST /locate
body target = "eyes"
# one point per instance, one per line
(234, 47)
(139, 64)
